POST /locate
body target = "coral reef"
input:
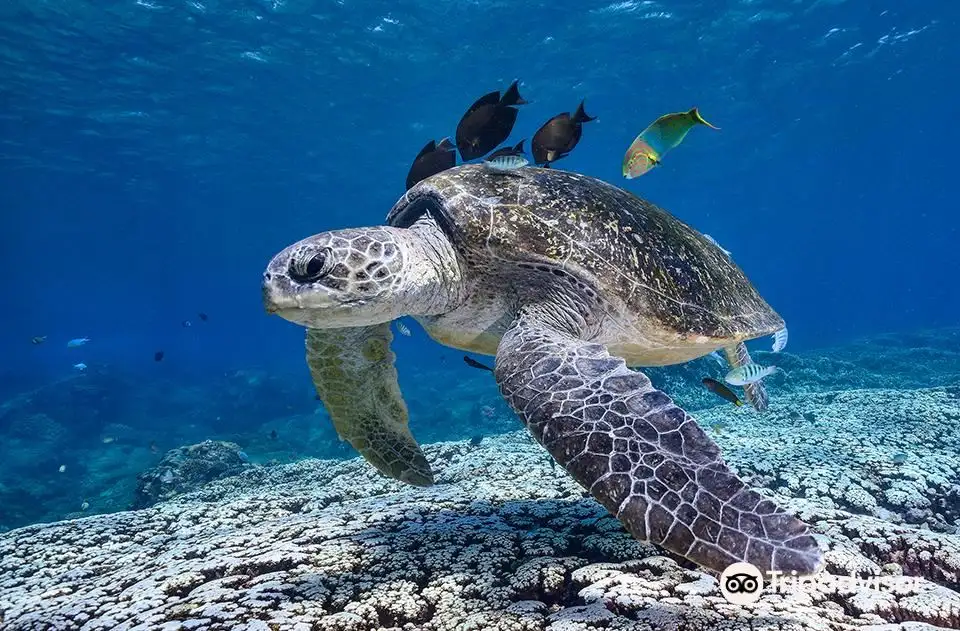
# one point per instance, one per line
(844, 450)
(102, 427)
(102, 424)
(899, 361)
(187, 468)
(507, 541)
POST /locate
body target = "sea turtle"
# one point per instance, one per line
(567, 281)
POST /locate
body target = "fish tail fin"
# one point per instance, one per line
(446, 145)
(695, 114)
(519, 147)
(512, 96)
(581, 116)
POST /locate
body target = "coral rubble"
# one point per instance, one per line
(506, 541)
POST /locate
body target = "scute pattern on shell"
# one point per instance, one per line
(654, 265)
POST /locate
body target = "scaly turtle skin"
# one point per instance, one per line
(567, 280)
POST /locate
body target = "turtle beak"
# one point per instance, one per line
(303, 305)
(271, 296)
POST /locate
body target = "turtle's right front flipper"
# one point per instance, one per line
(353, 371)
(640, 455)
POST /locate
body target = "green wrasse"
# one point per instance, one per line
(654, 142)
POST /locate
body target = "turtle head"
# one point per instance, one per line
(355, 277)
(338, 278)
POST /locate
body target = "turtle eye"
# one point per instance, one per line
(311, 265)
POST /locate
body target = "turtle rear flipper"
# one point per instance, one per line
(755, 393)
(353, 371)
(641, 456)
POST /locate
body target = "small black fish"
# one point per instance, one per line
(475, 364)
(488, 122)
(202, 316)
(476, 440)
(432, 159)
(516, 150)
(158, 356)
(558, 136)
(718, 388)
(273, 434)
(186, 323)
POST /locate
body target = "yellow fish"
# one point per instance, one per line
(665, 133)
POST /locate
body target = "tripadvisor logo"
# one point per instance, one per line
(742, 583)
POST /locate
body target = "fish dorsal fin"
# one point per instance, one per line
(427, 148)
(519, 148)
(493, 98)
(512, 96)
(446, 145)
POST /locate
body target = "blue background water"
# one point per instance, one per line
(155, 154)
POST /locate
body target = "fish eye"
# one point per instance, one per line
(311, 265)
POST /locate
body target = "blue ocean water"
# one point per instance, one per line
(155, 154)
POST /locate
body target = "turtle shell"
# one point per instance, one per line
(634, 254)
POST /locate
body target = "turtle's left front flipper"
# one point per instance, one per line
(353, 371)
(641, 456)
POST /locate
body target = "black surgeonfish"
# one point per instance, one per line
(516, 150)
(558, 136)
(488, 122)
(432, 159)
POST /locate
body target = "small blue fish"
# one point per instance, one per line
(780, 340)
(749, 373)
(79, 341)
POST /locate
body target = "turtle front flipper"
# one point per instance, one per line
(353, 371)
(642, 457)
(755, 393)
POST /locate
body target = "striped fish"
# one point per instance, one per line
(749, 373)
(505, 164)
(403, 328)
(780, 340)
